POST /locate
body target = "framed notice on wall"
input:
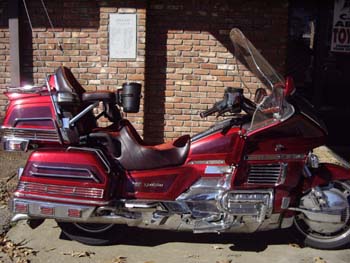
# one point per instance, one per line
(341, 26)
(122, 36)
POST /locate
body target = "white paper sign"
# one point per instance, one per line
(122, 35)
(341, 26)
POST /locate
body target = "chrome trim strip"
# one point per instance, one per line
(32, 134)
(98, 152)
(207, 162)
(68, 200)
(68, 169)
(57, 189)
(217, 169)
(17, 120)
(27, 89)
(264, 157)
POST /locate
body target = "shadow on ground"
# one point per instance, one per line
(255, 242)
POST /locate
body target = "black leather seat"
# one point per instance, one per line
(135, 155)
(105, 96)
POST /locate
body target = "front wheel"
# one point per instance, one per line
(321, 234)
(92, 234)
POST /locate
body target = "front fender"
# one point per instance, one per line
(324, 174)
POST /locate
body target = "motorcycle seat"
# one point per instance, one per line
(135, 155)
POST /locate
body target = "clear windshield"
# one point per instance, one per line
(271, 105)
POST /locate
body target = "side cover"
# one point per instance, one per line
(74, 176)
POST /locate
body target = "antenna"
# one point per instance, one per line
(52, 27)
(59, 45)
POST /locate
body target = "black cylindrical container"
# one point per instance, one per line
(131, 96)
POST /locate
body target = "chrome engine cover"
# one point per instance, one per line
(325, 209)
(254, 203)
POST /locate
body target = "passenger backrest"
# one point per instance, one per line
(69, 100)
(68, 88)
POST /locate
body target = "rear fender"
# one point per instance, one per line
(326, 173)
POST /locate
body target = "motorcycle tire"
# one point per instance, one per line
(92, 234)
(333, 240)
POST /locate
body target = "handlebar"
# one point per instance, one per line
(208, 112)
(233, 102)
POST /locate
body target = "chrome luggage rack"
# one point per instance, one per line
(27, 89)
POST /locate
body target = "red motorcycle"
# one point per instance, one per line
(253, 170)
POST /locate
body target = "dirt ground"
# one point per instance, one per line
(47, 244)
(10, 161)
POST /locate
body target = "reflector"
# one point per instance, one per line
(74, 212)
(45, 210)
(21, 208)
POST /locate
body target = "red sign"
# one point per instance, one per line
(341, 26)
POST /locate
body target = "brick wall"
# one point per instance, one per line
(4, 56)
(189, 57)
(184, 58)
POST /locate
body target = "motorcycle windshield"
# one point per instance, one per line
(271, 106)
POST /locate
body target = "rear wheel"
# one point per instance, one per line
(92, 234)
(328, 235)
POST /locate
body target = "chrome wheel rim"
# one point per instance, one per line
(339, 232)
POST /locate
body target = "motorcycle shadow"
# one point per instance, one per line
(255, 242)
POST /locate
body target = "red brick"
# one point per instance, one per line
(200, 36)
(183, 48)
(208, 66)
(183, 36)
